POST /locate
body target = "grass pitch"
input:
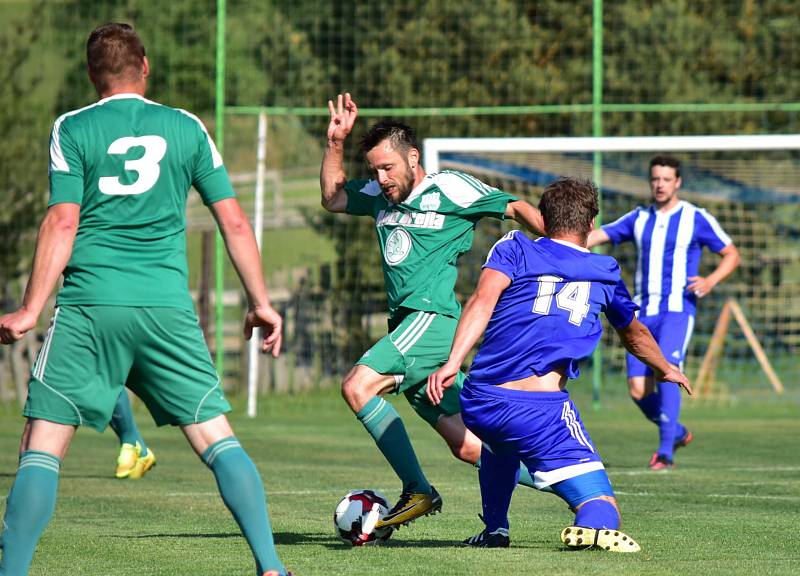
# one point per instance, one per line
(730, 507)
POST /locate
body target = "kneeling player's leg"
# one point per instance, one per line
(597, 518)
(239, 485)
(32, 499)
(498, 476)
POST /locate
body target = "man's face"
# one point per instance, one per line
(392, 171)
(664, 184)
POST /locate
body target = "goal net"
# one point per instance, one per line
(749, 183)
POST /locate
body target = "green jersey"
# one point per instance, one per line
(129, 163)
(422, 237)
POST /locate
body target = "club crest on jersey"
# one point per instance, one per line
(398, 246)
(430, 201)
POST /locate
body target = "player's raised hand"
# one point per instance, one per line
(676, 376)
(343, 117)
(270, 322)
(700, 286)
(439, 380)
(14, 326)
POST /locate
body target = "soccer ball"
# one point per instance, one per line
(356, 515)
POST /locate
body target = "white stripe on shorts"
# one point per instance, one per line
(41, 361)
(542, 480)
(571, 420)
(414, 332)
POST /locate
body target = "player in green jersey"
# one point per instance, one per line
(424, 223)
(115, 227)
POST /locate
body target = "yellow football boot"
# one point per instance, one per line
(126, 461)
(143, 464)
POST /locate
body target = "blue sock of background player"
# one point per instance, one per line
(651, 407)
(668, 425)
(124, 425)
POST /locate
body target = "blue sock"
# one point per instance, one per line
(498, 477)
(650, 406)
(385, 426)
(124, 424)
(668, 419)
(525, 478)
(243, 493)
(29, 506)
(597, 514)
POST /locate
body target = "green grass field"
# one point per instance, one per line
(731, 506)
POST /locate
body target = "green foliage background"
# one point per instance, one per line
(409, 55)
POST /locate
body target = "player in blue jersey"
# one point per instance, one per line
(120, 173)
(670, 236)
(539, 303)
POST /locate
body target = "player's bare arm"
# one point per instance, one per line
(474, 319)
(243, 251)
(53, 250)
(596, 237)
(332, 176)
(638, 340)
(703, 286)
(527, 215)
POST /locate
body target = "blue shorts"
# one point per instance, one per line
(543, 430)
(672, 331)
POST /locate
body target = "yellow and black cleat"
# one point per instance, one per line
(580, 537)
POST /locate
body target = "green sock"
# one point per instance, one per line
(124, 424)
(525, 478)
(243, 493)
(385, 426)
(29, 506)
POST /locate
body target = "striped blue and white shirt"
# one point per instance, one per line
(669, 245)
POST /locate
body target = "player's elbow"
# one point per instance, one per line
(62, 222)
(327, 202)
(734, 256)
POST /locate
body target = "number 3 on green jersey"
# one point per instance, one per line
(146, 167)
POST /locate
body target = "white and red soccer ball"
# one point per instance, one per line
(357, 514)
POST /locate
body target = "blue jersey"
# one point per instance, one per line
(669, 245)
(548, 318)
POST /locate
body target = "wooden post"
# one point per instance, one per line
(204, 286)
(705, 377)
(756, 346)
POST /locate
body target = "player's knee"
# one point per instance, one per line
(353, 393)
(636, 389)
(469, 452)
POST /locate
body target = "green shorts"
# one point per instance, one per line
(91, 352)
(417, 345)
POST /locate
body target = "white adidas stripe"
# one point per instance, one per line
(414, 332)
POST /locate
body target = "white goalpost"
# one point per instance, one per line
(751, 180)
(254, 346)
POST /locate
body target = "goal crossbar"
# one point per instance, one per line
(433, 147)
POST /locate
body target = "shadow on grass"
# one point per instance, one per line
(177, 535)
(332, 542)
(300, 539)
